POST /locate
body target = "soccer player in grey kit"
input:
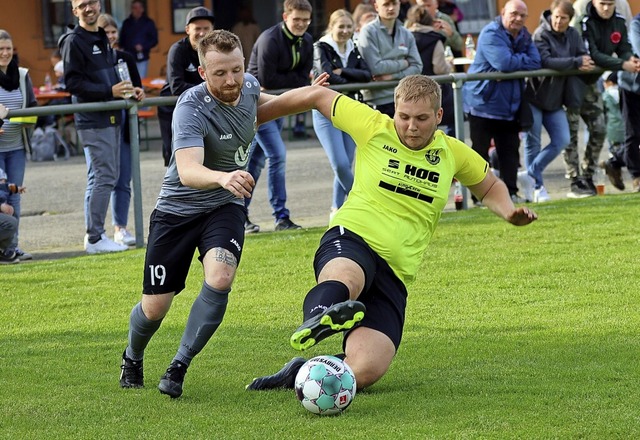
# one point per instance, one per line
(200, 206)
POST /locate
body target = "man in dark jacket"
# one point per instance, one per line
(282, 58)
(605, 34)
(90, 76)
(629, 154)
(139, 35)
(182, 69)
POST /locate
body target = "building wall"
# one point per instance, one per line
(23, 20)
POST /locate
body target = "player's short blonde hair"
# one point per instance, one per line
(415, 88)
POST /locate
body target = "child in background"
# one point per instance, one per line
(8, 223)
(58, 69)
(615, 124)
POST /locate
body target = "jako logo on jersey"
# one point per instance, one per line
(235, 243)
(242, 155)
(96, 50)
(433, 157)
(388, 148)
(431, 176)
(395, 164)
(225, 137)
(191, 68)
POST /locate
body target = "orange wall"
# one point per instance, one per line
(23, 20)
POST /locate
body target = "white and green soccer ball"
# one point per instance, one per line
(325, 385)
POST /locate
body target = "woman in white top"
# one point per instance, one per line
(16, 92)
(336, 54)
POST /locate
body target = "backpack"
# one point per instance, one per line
(47, 145)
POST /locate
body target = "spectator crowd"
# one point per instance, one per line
(383, 40)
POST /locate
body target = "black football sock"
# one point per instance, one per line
(323, 296)
(141, 329)
(206, 315)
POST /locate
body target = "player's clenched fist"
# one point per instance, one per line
(239, 182)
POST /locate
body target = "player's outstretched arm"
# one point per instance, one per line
(315, 96)
(494, 195)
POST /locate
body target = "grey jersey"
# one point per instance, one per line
(224, 131)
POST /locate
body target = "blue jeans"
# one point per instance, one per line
(121, 194)
(268, 144)
(340, 149)
(537, 158)
(14, 163)
(142, 68)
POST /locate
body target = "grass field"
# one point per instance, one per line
(511, 332)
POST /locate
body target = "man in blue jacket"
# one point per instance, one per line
(139, 35)
(90, 76)
(504, 45)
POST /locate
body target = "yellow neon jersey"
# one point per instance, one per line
(398, 194)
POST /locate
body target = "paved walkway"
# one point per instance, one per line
(52, 223)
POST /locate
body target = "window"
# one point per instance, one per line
(477, 14)
(56, 15)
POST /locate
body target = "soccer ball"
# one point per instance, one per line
(325, 385)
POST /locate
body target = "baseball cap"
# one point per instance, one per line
(199, 13)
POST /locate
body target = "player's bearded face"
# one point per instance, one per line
(229, 90)
(224, 75)
(416, 123)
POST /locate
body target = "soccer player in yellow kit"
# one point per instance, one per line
(375, 242)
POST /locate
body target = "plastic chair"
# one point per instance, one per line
(143, 116)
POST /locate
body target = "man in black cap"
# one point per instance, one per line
(182, 69)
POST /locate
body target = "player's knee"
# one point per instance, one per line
(220, 280)
(155, 307)
(367, 376)
(220, 268)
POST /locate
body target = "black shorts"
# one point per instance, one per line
(173, 240)
(384, 295)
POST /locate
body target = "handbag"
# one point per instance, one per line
(524, 116)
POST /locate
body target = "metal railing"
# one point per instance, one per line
(456, 79)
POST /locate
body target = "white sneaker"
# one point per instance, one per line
(526, 184)
(541, 195)
(104, 245)
(123, 237)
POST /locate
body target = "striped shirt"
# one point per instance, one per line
(11, 139)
